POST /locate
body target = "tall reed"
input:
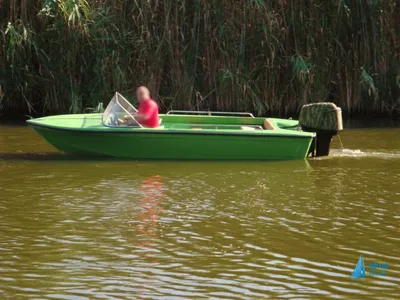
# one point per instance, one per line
(269, 57)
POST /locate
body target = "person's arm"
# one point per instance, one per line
(141, 117)
(125, 120)
(145, 113)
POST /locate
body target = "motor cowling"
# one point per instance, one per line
(323, 118)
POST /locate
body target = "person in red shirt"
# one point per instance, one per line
(147, 114)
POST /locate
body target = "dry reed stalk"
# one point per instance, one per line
(268, 57)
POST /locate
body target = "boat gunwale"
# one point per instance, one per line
(239, 133)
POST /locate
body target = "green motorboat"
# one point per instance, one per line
(182, 135)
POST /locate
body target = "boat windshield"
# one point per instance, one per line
(120, 112)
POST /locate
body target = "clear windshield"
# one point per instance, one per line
(120, 112)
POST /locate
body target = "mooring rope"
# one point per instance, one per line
(340, 141)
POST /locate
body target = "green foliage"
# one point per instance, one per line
(367, 84)
(263, 56)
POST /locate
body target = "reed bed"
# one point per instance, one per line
(268, 57)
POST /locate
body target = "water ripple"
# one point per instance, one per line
(84, 229)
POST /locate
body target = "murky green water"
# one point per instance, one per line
(92, 229)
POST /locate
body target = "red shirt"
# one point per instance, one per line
(149, 108)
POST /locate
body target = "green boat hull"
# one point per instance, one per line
(85, 134)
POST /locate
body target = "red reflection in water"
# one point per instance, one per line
(150, 209)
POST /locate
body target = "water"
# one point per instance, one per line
(73, 228)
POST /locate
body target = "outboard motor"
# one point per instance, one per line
(325, 119)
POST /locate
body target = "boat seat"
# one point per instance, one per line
(247, 128)
(268, 125)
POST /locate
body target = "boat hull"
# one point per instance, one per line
(175, 145)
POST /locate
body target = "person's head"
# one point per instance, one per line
(142, 93)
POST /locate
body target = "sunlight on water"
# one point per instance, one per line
(79, 228)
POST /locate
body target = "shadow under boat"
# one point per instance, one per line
(49, 156)
(182, 164)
